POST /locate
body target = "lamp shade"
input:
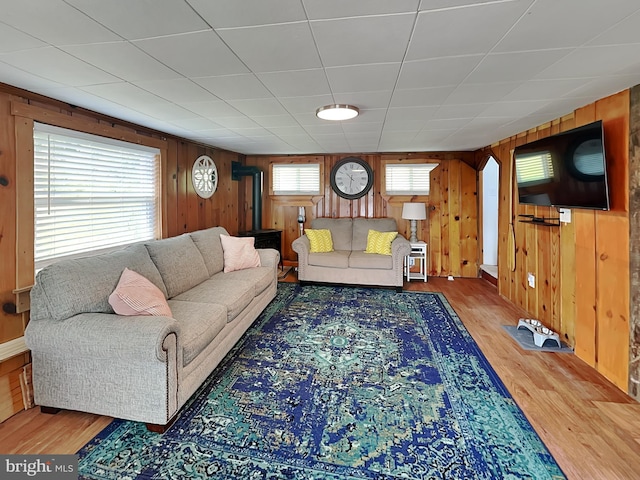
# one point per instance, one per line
(414, 211)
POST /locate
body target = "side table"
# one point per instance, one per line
(418, 255)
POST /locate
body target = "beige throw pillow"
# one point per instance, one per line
(239, 253)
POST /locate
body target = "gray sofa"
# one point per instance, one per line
(348, 263)
(142, 368)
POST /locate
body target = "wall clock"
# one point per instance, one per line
(204, 176)
(351, 178)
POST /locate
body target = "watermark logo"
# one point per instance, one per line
(50, 467)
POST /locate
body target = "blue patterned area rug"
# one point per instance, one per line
(339, 383)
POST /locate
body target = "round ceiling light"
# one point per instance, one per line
(337, 112)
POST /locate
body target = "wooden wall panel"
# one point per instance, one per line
(451, 229)
(582, 268)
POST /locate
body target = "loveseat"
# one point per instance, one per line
(348, 263)
(145, 367)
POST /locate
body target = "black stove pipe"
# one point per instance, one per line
(237, 171)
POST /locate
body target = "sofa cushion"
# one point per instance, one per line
(208, 242)
(341, 231)
(361, 227)
(180, 263)
(83, 285)
(380, 242)
(261, 277)
(135, 295)
(199, 325)
(319, 240)
(239, 253)
(235, 295)
(335, 259)
(370, 260)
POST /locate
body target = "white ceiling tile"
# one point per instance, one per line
(557, 24)
(469, 93)
(142, 18)
(546, 89)
(456, 4)
(199, 54)
(122, 60)
(438, 33)
(212, 109)
(363, 78)
(235, 87)
(248, 12)
(512, 109)
(125, 94)
(198, 124)
(177, 90)
(438, 72)
(366, 100)
(258, 106)
(296, 83)
(13, 40)
(234, 123)
(284, 121)
(322, 9)
(54, 22)
(379, 39)
(511, 67)
(274, 48)
(304, 105)
(59, 67)
(461, 111)
(421, 96)
(626, 31)
(582, 62)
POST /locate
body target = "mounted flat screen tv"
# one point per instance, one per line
(565, 170)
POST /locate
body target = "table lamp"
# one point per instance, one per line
(414, 211)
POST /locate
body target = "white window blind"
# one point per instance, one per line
(91, 193)
(408, 178)
(534, 168)
(291, 179)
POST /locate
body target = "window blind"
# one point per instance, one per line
(534, 169)
(408, 179)
(289, 179)
(91, 193)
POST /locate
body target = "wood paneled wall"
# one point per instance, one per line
(581, 268)
(183, 210)
(452, 227)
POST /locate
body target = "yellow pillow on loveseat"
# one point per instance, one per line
(380, 242)
(320, 240)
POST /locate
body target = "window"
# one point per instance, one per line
(91, 193)
(292, 179)
(408, 179)
(534, 169)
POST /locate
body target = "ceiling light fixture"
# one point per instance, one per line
(337, 112)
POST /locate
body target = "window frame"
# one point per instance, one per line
(295, 194)
(84, 147)
(407, 193)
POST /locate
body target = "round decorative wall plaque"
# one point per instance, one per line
(204, 176)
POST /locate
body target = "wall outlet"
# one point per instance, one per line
(531, 278)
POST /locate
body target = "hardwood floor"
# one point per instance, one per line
(590, 426)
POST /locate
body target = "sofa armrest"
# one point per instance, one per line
(301, 245)
(104, 335)
(269, 257)
(400, 248)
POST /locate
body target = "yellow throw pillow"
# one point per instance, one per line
(320, 240)
(380, 242)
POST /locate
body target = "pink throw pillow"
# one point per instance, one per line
(239, 253)
(135, 295)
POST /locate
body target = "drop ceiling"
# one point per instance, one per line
(248, 75)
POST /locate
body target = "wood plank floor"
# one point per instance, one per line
(590, 426)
